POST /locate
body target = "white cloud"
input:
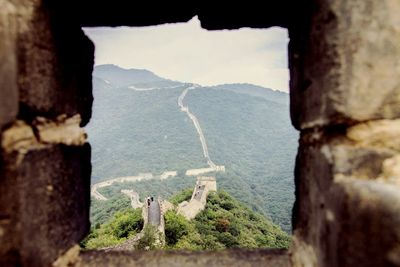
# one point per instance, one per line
(186, 52)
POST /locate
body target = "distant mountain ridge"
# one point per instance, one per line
(145, 79)
(254, 90)
(138, 78)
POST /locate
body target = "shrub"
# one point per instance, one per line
(148, 240)
(182, 196)
(176, 226)
(222, 225)
(121, 226)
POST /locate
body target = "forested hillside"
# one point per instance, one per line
(140, 131)
(253, 137)
(224, 223)
(247, 129)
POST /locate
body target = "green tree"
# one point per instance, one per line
(176, 226)
(126, 223)
(123, 225)
(184, 195)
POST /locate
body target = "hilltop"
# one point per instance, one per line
(224, 223)
(134, 78)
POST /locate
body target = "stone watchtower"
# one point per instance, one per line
(197, 203)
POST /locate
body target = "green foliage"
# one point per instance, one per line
(155, 187)
(247, 129)
(148, 240)
(184, 195)
(224, 223)
(102, 211)
(176, 226)
(253, 137)
(134, 132)
(126, 223)
(121, 226)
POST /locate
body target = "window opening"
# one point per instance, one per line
(190, 147)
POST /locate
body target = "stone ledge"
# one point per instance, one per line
(237, 257)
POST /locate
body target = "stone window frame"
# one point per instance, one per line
(344, 90)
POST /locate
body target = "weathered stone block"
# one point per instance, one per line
(8, 64)
(347, 196)
(48, 188)
(344, 66)
(55, 64)
(9, 211)
(355, 224)
(368, 224)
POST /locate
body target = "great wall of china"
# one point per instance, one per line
(153, 211)
(198, 201)
(167, 174)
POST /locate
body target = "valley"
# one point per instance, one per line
(212, 166)
(243, 127)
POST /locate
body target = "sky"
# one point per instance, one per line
(185, 52)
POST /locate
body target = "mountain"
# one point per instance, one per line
(135, 132)
(247, 129)
(136, 78)
(224, 223)
(255, 90)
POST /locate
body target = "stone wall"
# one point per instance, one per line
(345, 100)
(345, 92)
(45, 89)
(198, 201)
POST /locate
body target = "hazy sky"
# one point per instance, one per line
(188, 53)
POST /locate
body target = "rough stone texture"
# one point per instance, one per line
(369, 222)
(9, 218)
(344, 66)
(345, 98)
(71, 256)
(347, 197)
(55, 62)
(19, 137)
(44, 202)
(242, 258)
(8, 64)
(63, 130)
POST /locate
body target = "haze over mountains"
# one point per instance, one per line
(139, 78)
(137, 127)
